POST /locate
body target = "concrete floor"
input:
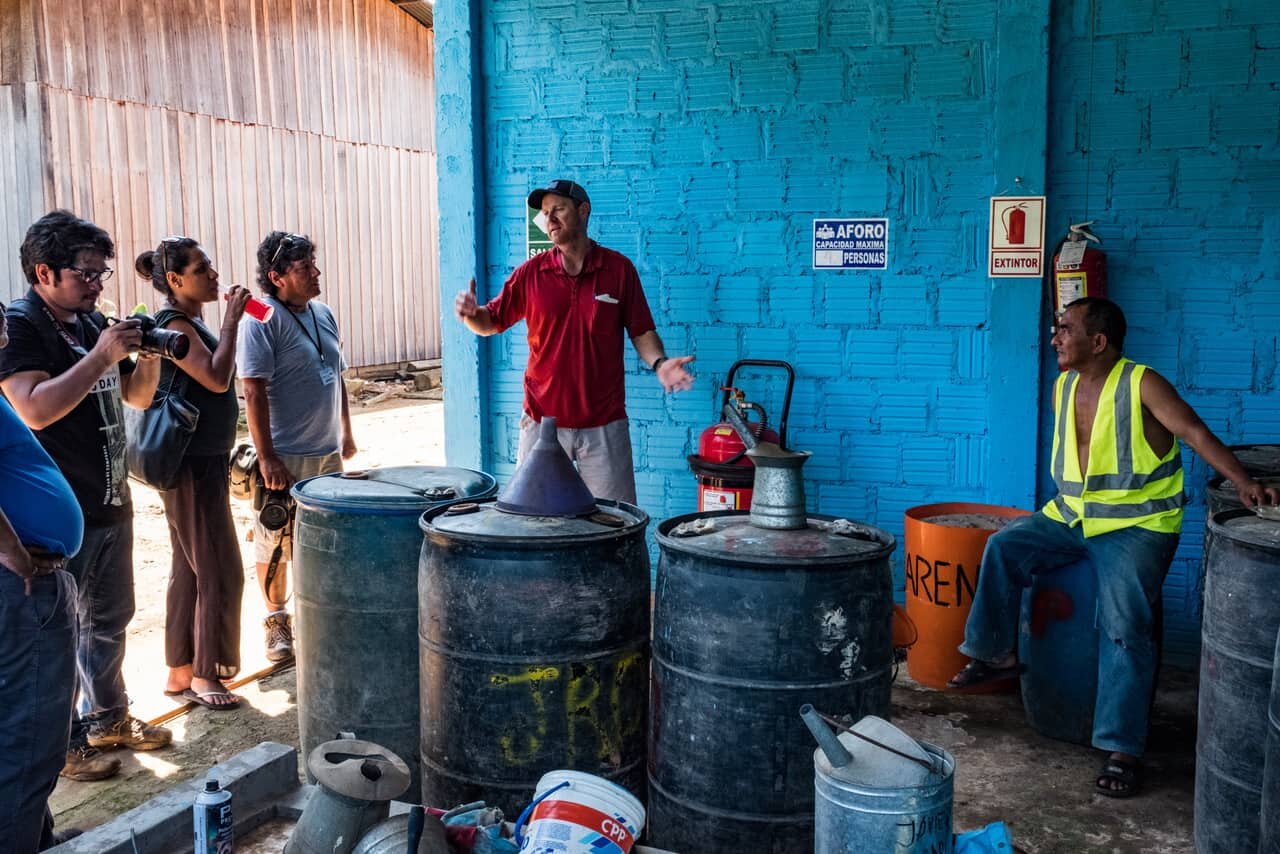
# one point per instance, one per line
(1042, 789)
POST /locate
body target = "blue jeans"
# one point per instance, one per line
(37, 678)
(1131, 565)
(103, 570)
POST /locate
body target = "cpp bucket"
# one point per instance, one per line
(577, 813)
(854, 817)
(944, 544)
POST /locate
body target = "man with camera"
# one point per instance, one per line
(296, 406)
(66, 373)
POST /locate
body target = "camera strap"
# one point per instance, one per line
(315, 326)
(76, 347)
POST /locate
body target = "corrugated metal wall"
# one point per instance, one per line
(224, 121)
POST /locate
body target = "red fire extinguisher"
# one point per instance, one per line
(1079, 270)
(724, 472)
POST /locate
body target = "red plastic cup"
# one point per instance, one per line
(255, 308)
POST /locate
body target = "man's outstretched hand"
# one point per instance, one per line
(464, 304)
(673, 375)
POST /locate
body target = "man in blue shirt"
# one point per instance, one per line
(40, 527)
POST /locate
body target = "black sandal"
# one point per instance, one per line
(978, 672)
(1126, 772)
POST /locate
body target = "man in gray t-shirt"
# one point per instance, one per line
(295, 403)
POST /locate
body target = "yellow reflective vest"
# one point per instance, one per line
(1126, 484)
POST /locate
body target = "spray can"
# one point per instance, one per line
(213, 823)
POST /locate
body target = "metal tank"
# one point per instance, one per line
(534, 637)
(355, 552)
(1221, 494)
(1270, 830)
(1258, 460)
(1241, 620)
(755, 615)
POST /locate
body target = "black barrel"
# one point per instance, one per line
(749, 625)
(1271, 778)
(534, 645)
(1241, 619)
(355, 551)
(1258, 460)
(1222, 494)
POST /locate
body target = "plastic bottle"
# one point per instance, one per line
(213, 822)
(257, 309)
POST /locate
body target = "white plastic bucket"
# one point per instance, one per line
(576, 813)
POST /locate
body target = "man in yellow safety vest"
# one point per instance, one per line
(1118, 468)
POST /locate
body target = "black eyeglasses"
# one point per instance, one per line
(90, 277)
(293, 240)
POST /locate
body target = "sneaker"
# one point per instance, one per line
(131, 733)
(87, 763)
(279, 630)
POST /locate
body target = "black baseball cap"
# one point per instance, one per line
(560, 187)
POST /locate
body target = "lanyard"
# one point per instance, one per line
(315, 325)
(77, 349)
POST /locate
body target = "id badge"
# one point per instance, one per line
(326, 374)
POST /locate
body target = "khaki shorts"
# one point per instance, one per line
(264, 541)
(602, 454)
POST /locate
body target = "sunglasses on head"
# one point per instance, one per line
(293, 240)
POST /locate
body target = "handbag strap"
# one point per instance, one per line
(162, 318)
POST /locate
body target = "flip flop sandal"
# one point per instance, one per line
(978, 672)
(202, 699)
(1127, 773)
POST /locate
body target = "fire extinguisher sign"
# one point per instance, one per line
(850, 244)
(1015, 245)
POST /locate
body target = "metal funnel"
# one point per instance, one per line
(546, 483)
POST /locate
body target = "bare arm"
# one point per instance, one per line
(1177, 416)
(258, 415)
(213, 370)
(139, 388)
(672, 372)
(475, 316)
(348, 438)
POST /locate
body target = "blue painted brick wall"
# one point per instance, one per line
(1183, 121)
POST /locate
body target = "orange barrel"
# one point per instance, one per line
(943, 546)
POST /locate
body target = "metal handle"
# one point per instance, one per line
(786, 400)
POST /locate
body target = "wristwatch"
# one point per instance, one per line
(657, 363)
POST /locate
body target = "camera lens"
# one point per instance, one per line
(167, 343)
(274, 515)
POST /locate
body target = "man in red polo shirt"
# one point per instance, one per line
(577, 299)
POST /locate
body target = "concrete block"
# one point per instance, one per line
(903, 302)
(845, 300)
(681, 145)
(971, 354)
(903, 129)
(687, 297)
(630, 142)
(811, 186)
(606, 95)
(767, 82)
(873, 458)
(927, 354)
(255, 777)
(878, 73)
(964, 127)
(790, 299)
(928, 460)
(761, 240)
(1220, 361)
(872, 353)
(527, 144)
(736, 137)
(594, 8)
(847, 502)
(946, 71)
(796, 135)
(848, 408)
(527, 46)
(795, 26)
(962, 301)
(424, 380)
(1137, 16)
(912, 22)
(512, 98)
(582, 41)
(820, 79)
(826, 462)
(1262, 178)
(737, 300)
(716, 246)
(707, 88)
(760, 187)
(1145, 184)
(962, 409)
(739, 31)
(960, 20)
(1244, 13)
(582, 145)
(687, 36)
(1189, 14)
(657, 91)
(817, 352)
(666, 245)
(1151, 62)
(970, 465)
(1115, 122)
(634, 39)
(1246, 117)
(706, 189)
(1180, 120)
(852, 23)
(905, 411)
(1220, 57)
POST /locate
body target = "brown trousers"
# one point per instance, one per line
(206, 581)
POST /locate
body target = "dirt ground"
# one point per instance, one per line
(395, 432)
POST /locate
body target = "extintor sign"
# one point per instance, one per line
(1015, 243)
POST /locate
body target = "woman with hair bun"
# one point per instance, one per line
(206, 579)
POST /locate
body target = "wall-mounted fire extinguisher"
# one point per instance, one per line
(1079, 270)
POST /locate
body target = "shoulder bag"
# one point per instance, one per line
(159, 435)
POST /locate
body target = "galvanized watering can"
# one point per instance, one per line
(355, 782)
